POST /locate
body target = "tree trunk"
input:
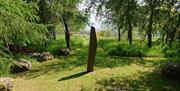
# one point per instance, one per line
(130, 33)
(130, 11)
(149, 32)
(174, 32)
(92, 50)
(67, 36)
(67, 32)
(52, 31)
(166, 38)
(42, 11)
(119, 34)
(54, 34)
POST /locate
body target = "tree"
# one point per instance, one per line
(149, 32)
(54, 12)
(163, 15)
(71, 18)
(169, 10)
(121, 13)
(151, 4)
(148, 17)
(17, 24)
(47, 15)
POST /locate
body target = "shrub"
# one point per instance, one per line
(126, 50)
(172, 51)
(5, 61)
(76, 42)
(5, 64)
(137, 49)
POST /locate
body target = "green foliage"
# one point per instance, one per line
(55, 45)
(5, 61)
(138, 49)
(160, 17)
(54, 11)
(18, 26)
(122, 49)
(67, 73)
(76, 43)
(17, 23)
(5, 64)
(104, 33)
(172, 51)
(126, 50)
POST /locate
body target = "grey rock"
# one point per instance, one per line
(20, 66)
(6, 84)
(64, 52)
(35, 54)
(45, 56)
(171, 70)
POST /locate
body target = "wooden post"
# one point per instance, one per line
(92, 50)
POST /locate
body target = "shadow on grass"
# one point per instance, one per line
(79, 59)
(145, 82)
(73, 76)
(61, 63)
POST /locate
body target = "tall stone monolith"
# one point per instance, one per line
(92, 49)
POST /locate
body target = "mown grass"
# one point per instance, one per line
(111, 72)
(67, 74)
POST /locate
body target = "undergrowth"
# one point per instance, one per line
(138, 49)
(5, 61)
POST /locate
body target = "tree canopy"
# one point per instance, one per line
(148, 16)
(17, 23)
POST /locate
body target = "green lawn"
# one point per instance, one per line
(68, 74)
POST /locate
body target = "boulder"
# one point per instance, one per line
(171, 70)
(21, 66)
(36, 55)
(45, 56)
(6, 84)
(64, 52)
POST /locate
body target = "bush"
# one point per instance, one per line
(172, 51)
(126, 50)
(76, 43)
(5, 64)
(5, 61)
(155, 51)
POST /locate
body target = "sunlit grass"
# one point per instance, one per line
(111, 72)
(67, 74)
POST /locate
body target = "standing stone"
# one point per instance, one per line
(92, 49)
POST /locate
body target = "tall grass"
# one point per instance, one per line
(76, 43)
(5, 61)
(137, 49)
(172, 51)
(5, 64)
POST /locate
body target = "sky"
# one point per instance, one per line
(92, 19)
(94, 22)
